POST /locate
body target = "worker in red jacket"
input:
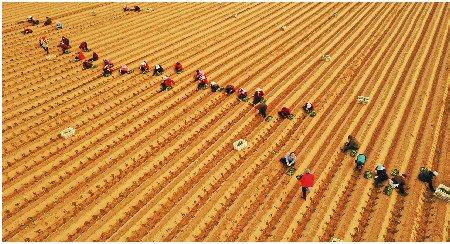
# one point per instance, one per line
(167, 83)
(80, 57)
(203, 84)
(285, 112)
(306, 181)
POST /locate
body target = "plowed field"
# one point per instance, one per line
(146, 165)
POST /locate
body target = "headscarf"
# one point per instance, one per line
(380, 167)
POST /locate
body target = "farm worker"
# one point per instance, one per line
(48, 21)
(144, 67)
(167, 83)
(427, 177)
(178, 67)
(31, 20)
(203, 84)
(108, 62)
(27, 30)
(135, 8)
(200, 75)
(84, 47)
(258, 96)
(87, 64)
(360, 161)
(158, 70)
(64, 48)
(43, 39)
(262, 109)
(94, 56)
(80, 56)
(289, 159)
(124, 69)
(398, 181)
(381, 175)
(242, 93)
(43, 42)
(230, 89)
(107, 70)
(65, 41)
(285, 112)
(308, 107)
(214, 86)
(59, 25)
(352, 144)
(45, 46)
(306, 181)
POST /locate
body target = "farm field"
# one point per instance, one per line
(146, 165)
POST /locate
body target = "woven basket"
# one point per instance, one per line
(66, 133)
(326, 57)
(240, 144)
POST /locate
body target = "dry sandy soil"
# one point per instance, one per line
(148, 166)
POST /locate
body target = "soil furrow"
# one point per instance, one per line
(366, 215)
